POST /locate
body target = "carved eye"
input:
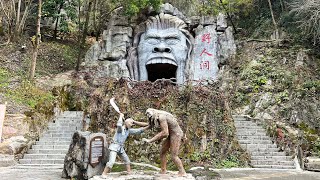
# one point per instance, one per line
(153, 41)
(172, 41)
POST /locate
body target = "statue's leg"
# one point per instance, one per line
(126, 161)
(175, 142)
(163, 155)
(112, 159)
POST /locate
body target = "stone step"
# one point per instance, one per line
(47, 167)
(272, 158)
(246, 123)
(261, 149)
(249, 133)
(66, 128)
(44, 156)
(64, 124)
(239, 115)
(59, 131)
(249, 128)
(261, 137)
(47, 151)
(274, 166)
(57, 135)
(66, 121)
(272, 162)
(255, 141)
(55, 139)
(41, 161)
(253, 147)
(50, 147)
(267, 153)
(53, 143)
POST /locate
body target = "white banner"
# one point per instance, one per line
(2, 114)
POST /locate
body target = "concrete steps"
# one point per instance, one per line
(264, 153)
(51, 148)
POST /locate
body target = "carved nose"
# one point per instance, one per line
(160, 49)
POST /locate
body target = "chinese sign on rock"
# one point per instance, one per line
(205, 54)
(96, 150)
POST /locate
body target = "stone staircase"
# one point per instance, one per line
(264, 153)
(50, 150)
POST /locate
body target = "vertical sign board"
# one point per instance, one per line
(2, 113)
(205, 59)
(96, 151)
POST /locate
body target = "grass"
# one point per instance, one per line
(28, 94)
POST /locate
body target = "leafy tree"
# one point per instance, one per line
(307, 15)
(62, 12)
(133, 7)
(15, 14)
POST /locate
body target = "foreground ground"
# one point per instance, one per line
(227, 174)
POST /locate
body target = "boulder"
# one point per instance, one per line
(7, 160)
(18, 144)
(221, 22)
(312, 163)
(86, 156)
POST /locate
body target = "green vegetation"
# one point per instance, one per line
(27, 94)
(201, 111)
(4, 78)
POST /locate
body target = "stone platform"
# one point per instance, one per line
(146, 175)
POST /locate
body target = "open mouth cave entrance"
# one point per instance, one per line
(160, 71)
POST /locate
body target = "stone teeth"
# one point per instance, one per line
(162, 61)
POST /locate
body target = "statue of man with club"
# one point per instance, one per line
(122, 132)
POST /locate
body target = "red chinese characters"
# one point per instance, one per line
(205, 65)
(205, 52)
(206, 38)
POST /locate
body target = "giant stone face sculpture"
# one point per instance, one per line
(162, 51)
(163, 47)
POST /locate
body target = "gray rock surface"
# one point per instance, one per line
(77, 163)
(120, 41)
(18, 144)
(312, 163)
(221, 22)
(205, 59)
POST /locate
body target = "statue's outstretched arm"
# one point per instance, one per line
(164, 132)
(142, 124)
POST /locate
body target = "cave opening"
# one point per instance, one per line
(161, 71)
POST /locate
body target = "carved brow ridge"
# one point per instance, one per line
(158, 36)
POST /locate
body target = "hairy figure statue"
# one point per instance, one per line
(161, 49)
(172, 135)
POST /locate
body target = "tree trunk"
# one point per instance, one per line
(274, 21)
(229, 16)
(55, 32)
(95, 20)
(36, 43)
(84, 35)
(18, 18)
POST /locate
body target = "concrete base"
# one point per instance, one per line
(146, 175)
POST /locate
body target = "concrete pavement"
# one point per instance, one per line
(9, 173)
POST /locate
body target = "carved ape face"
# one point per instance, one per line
(162, 53)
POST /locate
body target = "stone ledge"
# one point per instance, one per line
(146, 175)
(312, 164)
